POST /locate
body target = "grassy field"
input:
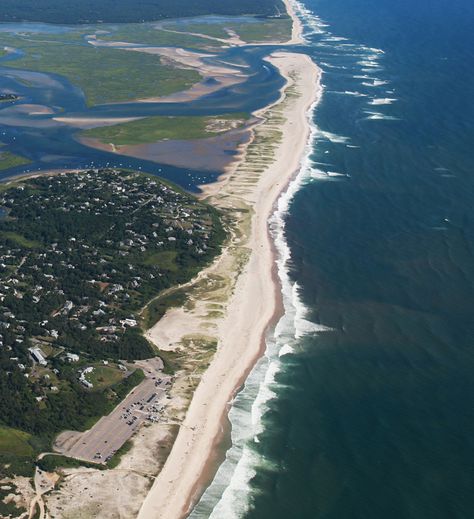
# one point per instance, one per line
(104, 376)
(9, 160)
(152, 129)
(165, 259)
(106, 75)
(14, 442)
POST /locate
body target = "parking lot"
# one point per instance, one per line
(144, 403)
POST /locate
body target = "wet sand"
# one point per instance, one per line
(250, 307)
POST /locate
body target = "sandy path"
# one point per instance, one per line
(253, 302)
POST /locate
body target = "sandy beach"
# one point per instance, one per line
(218, 334)
(297, 27)
(253, 296)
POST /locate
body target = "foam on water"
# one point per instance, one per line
(324, 64)
(312, 23)
(318, 174)
(382, 101)
(334, 38)
(348, 93)
(286, 350)
(332, 137)
(376, 116)
(229, 494)
(375, 83)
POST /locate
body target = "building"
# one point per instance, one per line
(38, 356)
(128, 322)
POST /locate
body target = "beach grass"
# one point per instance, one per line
(156, 309)
(152, 129)
(117, 457)
(53, 462)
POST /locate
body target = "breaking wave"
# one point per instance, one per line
(229, 494)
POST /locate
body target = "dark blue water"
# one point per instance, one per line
(372, 414)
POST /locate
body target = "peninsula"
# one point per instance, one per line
(247, 297)
(131, 311)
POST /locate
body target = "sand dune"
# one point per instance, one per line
(253, 301)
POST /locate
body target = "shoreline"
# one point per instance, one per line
(297, 26)
(253, 306)
(254, 301)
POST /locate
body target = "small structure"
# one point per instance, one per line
(67, 307)
(83, 379)
(72, 357)
(38, 356)
(128, 322)
(86, 383)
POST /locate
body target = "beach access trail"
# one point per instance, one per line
(248, 192)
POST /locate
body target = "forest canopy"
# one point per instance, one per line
(121, 11)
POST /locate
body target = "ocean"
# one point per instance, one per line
(363, 405)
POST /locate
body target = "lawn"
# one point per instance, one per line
(14, 442)
(152, 129)
(105, 376)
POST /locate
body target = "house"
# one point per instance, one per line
(38, 356)
(68, 306)
(128, 322)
